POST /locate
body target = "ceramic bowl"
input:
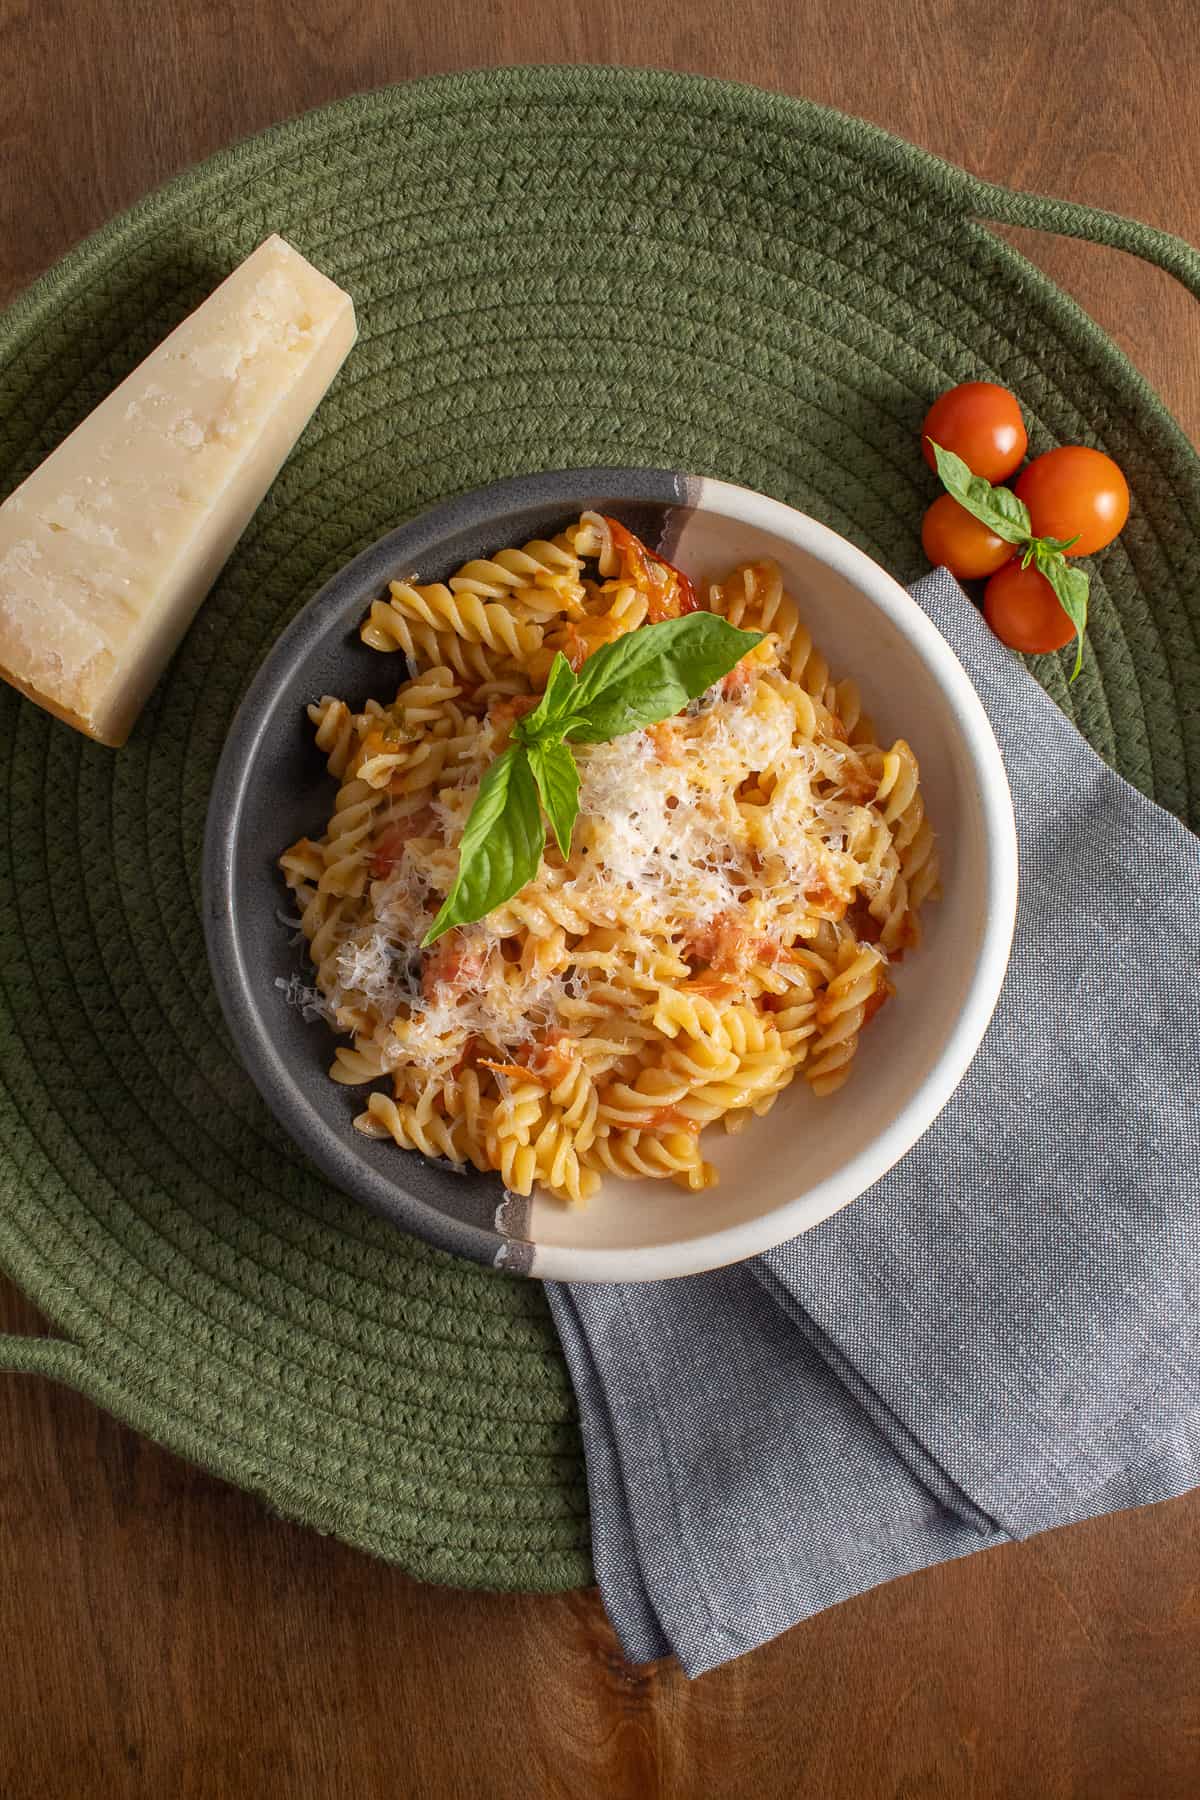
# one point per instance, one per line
(784, 1173)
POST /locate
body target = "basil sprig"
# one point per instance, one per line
(1007, 515)
(645, 676)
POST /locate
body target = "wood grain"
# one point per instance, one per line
(163, 1634)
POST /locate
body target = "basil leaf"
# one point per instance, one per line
(651, 673)
(996, 507)
(558, 784)
(545, 721)
(1071, 587)
(501, 846)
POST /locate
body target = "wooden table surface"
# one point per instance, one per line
(163, 1635)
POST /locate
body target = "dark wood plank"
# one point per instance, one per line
(164, 1634)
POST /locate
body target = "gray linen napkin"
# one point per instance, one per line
(1000, 1336)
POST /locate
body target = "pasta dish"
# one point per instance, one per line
(741, 879)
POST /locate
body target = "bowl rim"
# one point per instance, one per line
(271, 1072)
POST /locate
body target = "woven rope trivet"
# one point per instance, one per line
(551, 268)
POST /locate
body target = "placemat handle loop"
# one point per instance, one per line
(31, 1354)
(1067, 218)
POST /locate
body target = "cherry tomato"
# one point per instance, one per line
(669, 591)
(1023, 610)
(960, 542)
(1075, 490)
(980, 422)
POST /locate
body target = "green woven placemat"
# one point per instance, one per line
(551, 267)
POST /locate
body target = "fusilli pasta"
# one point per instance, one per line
(740, 880)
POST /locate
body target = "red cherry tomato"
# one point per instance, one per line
(960, 542)
(1075, 491)
(1023, 610)
(980, 422)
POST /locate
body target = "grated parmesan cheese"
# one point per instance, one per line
(311, 1001)
(673, 836)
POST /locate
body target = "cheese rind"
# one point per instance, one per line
(108, 548)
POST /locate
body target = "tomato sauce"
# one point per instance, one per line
(453, 963)
(666, 1118)
(729, 948)
(667, 589)
(392, 839)
(513, 707)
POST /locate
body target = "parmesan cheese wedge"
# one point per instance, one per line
(108, 548)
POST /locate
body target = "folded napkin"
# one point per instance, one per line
(1000, 1336)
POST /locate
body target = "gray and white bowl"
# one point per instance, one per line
(809, 1157)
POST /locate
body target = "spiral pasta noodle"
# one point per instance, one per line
(741, 880)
